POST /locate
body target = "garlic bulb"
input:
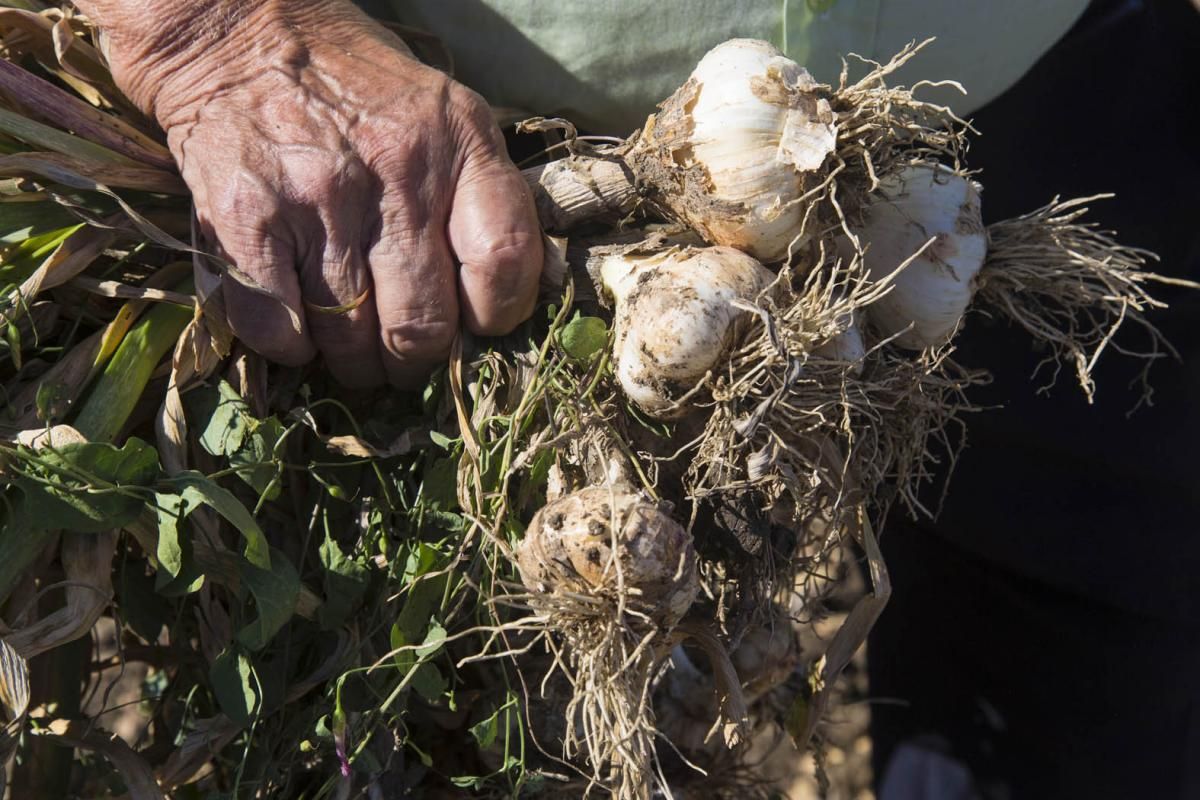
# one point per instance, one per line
(733, 150)
(675, 316)
(570, 547)
(847, 345)
(920, 203)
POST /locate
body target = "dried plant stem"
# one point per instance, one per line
(581, 188)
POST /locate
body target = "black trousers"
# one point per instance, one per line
(1039, 692)
(1001, 645)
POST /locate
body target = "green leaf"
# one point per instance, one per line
(190, 580)
(429, 682)
(226, 419)
(583, 337)
(20, 543)
(44, 137)
(424, 594)
(53, 401)
(230, 430)
(415, 622)
(110, 401)
(22, 260)
(178, 573)
(74, 487)
(443, 441)
(234, 686)
(434, 639)
(170, 512)
(275, 590)
(486, 732)
(258, 451)
(469, 781)
(12, 337)
(24, 220)
(345, 582)
(436, 523)
(196, 489)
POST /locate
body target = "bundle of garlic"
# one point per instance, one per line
(752, 153)
(782, 380)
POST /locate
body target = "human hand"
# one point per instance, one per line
(343, 176)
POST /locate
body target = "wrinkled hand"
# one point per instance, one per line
(332, 167)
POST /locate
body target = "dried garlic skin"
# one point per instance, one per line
(675, 317)
(731, 151)
(569, 547)
(911, 207)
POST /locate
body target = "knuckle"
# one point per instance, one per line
(404, 232)
(395, 150)
(472, 118)
(322, 178)
(421, 336)
(247, 199)
(506, 262)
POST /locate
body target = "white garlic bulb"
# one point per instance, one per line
(733, 150)
(675, 317)
(918, 204)
(602, 538)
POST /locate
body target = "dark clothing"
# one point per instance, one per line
(1059, 591)
(1040, 692)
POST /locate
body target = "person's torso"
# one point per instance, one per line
(604, 64)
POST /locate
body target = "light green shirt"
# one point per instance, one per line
(606, 63)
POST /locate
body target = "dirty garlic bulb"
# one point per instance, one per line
(732, 150)
(570, 547)
(921, 203)
(675, 316)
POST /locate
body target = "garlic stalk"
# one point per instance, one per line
(930, 216)
(675, 316)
